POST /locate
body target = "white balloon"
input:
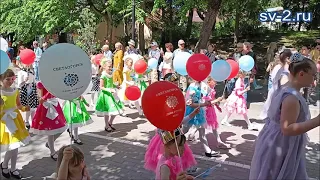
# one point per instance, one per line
(65, 71)
(3, 45)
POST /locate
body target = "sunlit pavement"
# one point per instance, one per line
(120, 155)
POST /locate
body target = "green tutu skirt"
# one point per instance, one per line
(107, 104)
(76, 114)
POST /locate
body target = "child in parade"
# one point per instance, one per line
(108, 104)
(128, 80)
(211, 116)
(49, 119)
(194, 100)
(77, 116)
(169, 164)
(95, 80)
(28, 92)
(281, 144)
(237, 103)
(13, 133)
(155, 149)
(71, 165)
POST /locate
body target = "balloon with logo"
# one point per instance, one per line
(220, 70)
(133, 93)
(246, 63)
(140, 66)
(152, 63)
(65, 71)
(234, 68)
(180, 62)
(3, 45)
(97, 58)
(164, 105)
(199, 67)
(27, 56)
(4, 61)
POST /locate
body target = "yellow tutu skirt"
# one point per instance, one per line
(13, 133)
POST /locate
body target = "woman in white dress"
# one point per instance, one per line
(166, 66)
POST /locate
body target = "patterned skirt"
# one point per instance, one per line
(95, 84)
(28, 95)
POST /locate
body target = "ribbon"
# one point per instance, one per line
(50, 105)
(8, 118)
(77, 102)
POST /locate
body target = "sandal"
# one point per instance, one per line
(78, 141)
(54, 156)
(6, 175)
(111, 126)
(108, 129)
(15, 174)
(213, 154)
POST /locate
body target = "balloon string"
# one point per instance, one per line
(70, 129)
(175, 140)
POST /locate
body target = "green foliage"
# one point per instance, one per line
(29, 18)
(86, 33)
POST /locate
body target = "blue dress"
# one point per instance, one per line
(277, 156)
(196, 95)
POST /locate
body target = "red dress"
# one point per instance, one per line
(49, 118)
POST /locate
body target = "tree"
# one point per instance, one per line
(86, 38)
(209, 21)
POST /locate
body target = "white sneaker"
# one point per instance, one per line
(226, 124)
(252, 127)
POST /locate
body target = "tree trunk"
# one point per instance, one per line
(236, 27)
(189, 24)
(141, 38)
(171, 20)
(209, 21)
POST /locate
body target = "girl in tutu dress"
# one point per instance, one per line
(211, 116)
(128, 75)
(108, 104)
(77, 116)
(168, 166)
(237, 103)
(194, 100)
(13, 133)
(155, 150)
(280, 149)
(49, 119)
(28, 92)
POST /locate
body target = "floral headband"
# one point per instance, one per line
(296, 57)
(168, 136)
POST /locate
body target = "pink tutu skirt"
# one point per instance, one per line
(236, 104)
(211, 117)
(155, 150)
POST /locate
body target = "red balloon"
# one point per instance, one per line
(164, 105)
(133, 93)
(27, 56)
(234, 68)
(98, 58)
(199, 67)
(140, 66)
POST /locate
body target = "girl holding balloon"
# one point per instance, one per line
(28, 92)
(128, 75)
(237, 103)
(108, 104)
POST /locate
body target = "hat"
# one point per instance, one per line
(131, 42)
(181, 42)
(154, 43)
(167, 136)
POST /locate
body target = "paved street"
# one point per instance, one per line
(119, 155)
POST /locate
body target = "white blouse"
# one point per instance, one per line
(94, 70)
(167, 60)
(22, 75)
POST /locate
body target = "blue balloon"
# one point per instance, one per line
(220, 71)
(246, 63)
(180, 62)
(4, 61)
(152, 63)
